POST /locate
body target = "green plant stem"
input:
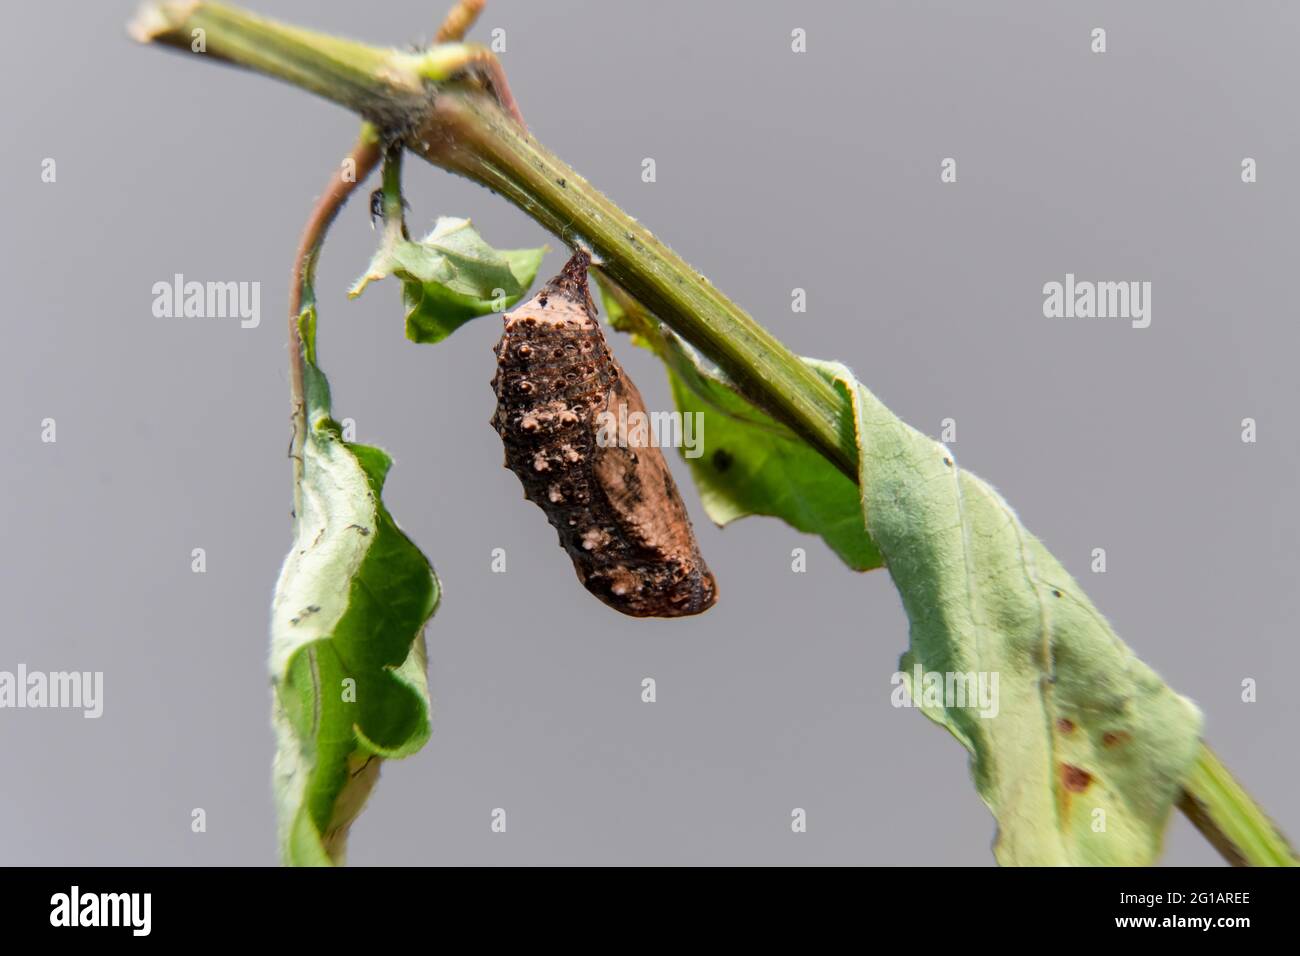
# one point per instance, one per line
(461, 127)
(394, 205)
(379, 84)
(1229, 818)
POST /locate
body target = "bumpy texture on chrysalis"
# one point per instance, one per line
(617, 509)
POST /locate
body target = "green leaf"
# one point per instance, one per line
(347, 637)
(752, 464)
(1088, 748)
(1080, 749)
(450, 277)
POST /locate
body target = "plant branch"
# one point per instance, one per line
(382, 85)
(1227, 816)
(451, 106)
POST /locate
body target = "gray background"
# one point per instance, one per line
(775, 170)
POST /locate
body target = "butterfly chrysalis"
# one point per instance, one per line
(617, 510)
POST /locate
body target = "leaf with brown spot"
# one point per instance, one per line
(983, 595)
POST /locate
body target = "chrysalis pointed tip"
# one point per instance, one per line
(571, 282)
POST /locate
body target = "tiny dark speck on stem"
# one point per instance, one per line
(561, 182)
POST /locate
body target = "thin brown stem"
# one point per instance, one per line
(458, 21)
(353, 171)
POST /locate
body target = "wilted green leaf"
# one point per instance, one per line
(451, 276)
(1088, 748)
(1082, 750)
(347, 637)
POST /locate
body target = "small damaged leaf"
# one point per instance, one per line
(451, 276)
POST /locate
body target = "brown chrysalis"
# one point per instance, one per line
(617, 509)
